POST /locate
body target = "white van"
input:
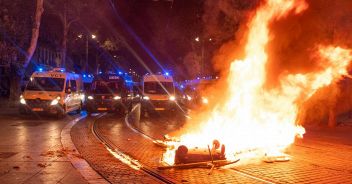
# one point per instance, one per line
(158, 93)
(55, 92)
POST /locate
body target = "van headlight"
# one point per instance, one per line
(22, 100)
(55, 101)
(172, 98)
(189, 98)
(117, 97)
(90, 97)
(146, 98)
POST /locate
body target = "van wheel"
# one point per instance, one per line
(61, 113)
(120, 111)
(79, 109)
(145, 113)
(130, 107)
(23, 111)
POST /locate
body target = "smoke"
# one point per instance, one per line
(294, 41)
(225, 22)
(295, 38)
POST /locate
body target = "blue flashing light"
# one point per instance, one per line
(84, 75)
(40, 69)
(182, 86)
(62, 70)
(120, 73)
(89, 76)
(167, 73)
(100, 72)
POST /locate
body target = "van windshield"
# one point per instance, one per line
(156, 88)
(102, 87)
(45, 84)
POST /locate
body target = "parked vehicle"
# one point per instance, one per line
(109, 92)
(194, 95)
(158, 93)
(55, 92)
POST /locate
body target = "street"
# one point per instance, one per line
(175, 91)
(31, 152)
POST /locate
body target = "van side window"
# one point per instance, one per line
(67, 85)
(73, 86)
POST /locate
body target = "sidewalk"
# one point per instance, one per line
(31, 150)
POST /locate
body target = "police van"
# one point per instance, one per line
(109, 92)
(158, 93)
(56, 92)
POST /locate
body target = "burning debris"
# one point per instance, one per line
(186, 158)
(184, 155)
(167, 143)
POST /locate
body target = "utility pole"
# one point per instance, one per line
(85, 69)
(87, 50)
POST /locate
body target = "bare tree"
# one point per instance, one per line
(68, 13)
(18, 76)
(35, 32)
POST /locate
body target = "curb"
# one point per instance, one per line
(80, 164)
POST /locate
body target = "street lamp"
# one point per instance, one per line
(202, 42)
(93, 36)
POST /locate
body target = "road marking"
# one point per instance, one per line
(80, 164)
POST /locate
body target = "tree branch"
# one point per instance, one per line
(35, 32)
(72, 21)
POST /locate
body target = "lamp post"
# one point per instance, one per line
(87, 51)
(202, 62)
(93, 36)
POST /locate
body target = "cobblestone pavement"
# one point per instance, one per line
(323, 156)
(148, 154)
(31, 151)
(101, 159)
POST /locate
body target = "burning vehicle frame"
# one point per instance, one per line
(186, 158)
(210, 157)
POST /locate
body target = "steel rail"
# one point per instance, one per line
(135, 164)
(246, 174)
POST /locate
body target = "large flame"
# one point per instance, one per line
(254, 117)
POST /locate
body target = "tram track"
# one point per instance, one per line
(136, 164)
(246, 174)
(126, 159)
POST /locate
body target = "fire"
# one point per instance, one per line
(256, 118)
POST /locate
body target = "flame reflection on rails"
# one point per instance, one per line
(124, 158)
